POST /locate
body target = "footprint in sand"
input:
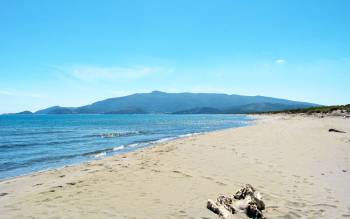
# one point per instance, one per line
(183, 174)
(142, 194)
(220, 183)
(156, 201)
(257, 161)
(156, 171)
(3, 194)
(207, 177)
(325, 205)
(46, 200)
(183, 213)
(328, 190)
(294, 214)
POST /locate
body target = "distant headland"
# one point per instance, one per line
(180, 103)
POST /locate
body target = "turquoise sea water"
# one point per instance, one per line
(31, 143)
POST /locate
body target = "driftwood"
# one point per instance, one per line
(245, 200)
(219, 209)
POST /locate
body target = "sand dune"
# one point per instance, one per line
(301, 169)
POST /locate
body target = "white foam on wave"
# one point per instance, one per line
(189, 135)
(99, 155)
(165, 139)
(133, 145)
(177, 137)
(118, 148)
(119, 134)
(143, 144)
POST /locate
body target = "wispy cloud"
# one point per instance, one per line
(280, 61)
(91, 73)
(17, 93)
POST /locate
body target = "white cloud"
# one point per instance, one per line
(16, 93)
(280, 61)
(93, 73)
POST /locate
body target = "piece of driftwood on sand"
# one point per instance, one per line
(245, 200)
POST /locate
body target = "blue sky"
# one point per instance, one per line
(72, 53)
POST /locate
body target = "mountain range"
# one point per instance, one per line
(181, 103)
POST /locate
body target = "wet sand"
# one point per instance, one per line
(301, 169)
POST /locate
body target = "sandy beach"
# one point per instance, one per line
(301, 169)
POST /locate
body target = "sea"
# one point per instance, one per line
(31, 143)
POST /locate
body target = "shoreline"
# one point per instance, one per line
(151, 144)
(147, 145)
(300, 168)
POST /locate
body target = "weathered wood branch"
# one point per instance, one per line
(245, 199)
(219, 210)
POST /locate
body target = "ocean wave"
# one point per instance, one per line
(118, 134)
(189, 135)
(133, 145)
(27, 146)
(10, 165)
(118, 148)
(162, 140)
(44, 143)
(16, 133)
(100, 155)
(103, 152)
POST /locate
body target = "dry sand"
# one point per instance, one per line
(301, 169)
